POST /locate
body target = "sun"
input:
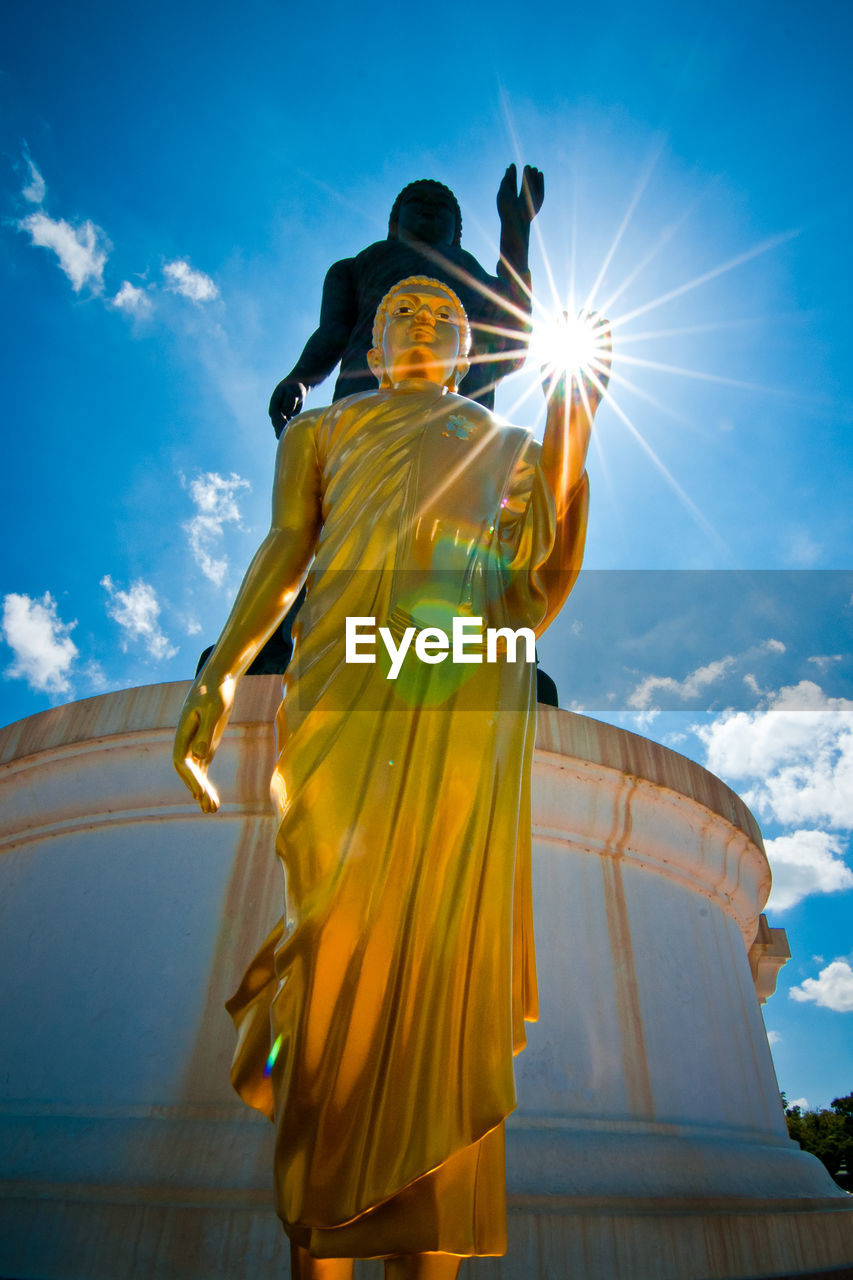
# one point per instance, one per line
(578, 346)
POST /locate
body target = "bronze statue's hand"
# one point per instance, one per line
(203, 719)
(519, 209)
(287, 400)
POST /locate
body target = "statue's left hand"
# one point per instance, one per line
(520, 208)
(286, 401)
(203, 719)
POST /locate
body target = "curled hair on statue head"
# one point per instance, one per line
(414, 284)
(436, 188)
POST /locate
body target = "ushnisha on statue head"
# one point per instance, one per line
(421, 335)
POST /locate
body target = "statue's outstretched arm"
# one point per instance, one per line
(516, 211)
(568, 428)
(323, 350)
(506, 344)
(269, 588)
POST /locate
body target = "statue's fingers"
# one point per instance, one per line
(202, 788)
(603, 333)
(509, 183)
(533, 184)
(209, 800)
(190, 779)
(281, 403)
(599, 375)
(183, 772)
(206, 739)
(184, 735)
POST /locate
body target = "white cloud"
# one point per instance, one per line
(93, 672)
(137, 611)
(774, 1037)
(799, 750)
(792, 760)
(689, 687)
(644, 698)
(803, 550)
(802, 1103)
(823, 661)
(80, 251)
(190, 283)
(216, 504)
(642, 721)
(36, 188)
(41, 642)
(803, 863)
(132, 299)
(832, 989)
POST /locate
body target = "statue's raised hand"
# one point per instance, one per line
(518, 209)
(589, 363)
(286, 401)
(200, 728)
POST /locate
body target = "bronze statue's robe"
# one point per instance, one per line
(405, 967)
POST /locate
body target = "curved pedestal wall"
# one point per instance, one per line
(648, 1141)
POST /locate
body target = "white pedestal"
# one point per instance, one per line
(649, 1139)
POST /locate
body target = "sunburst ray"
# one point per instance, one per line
(739, 260)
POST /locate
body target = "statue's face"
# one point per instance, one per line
(427, 216)
(422, 336)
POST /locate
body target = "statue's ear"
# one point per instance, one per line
(376, 364)
(462, 367)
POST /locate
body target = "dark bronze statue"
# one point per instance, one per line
(424, 238)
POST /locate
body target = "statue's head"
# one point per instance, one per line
(428, 211)
(420, 331)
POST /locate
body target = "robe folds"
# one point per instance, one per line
(394, 990)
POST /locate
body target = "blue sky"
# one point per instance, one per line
(176, 179)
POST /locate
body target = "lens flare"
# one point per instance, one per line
(273, 1055)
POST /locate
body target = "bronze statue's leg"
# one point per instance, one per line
(304, 1267)
(422, 1266)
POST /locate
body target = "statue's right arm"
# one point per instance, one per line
(572, 404)
(323, 350)
(269, 588)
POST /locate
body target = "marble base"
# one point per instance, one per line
(649, 1139)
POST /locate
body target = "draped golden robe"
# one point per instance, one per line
(397, 984)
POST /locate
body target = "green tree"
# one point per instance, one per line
(825, 1134)
(844, 1107)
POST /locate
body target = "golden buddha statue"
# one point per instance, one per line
(378, 1023)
